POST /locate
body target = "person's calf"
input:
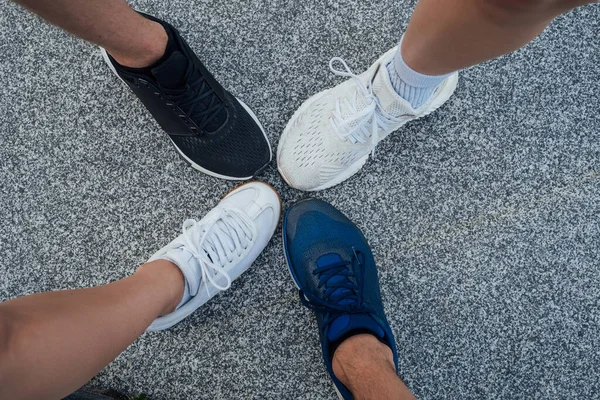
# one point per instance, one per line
(519, 11)
(51, 343)
(5, 334)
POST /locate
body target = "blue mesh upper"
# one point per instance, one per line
(334, 268)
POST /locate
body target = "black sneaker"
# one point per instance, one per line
(212, 130)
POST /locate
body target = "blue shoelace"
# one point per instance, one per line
(339, 289)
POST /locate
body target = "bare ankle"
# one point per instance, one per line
(170, 278)
(359, 353)
(147, 51)
(366, 367)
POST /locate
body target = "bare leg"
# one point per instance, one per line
(447, 35)
(366, 367)
(131, 39)
(53, 343)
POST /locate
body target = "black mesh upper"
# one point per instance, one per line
(235, 148)
(239, 148)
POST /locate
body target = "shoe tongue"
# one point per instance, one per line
(215, 240)
(331, 259)
(171, 72)
(389, 100)
(328, 259)
(350, 322)
(357, 104)
(226, 240)
(346, 322)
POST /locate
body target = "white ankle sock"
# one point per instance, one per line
(412, 86)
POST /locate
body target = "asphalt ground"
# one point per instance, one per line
(483, 217)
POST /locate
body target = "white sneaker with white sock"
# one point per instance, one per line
(213, 252)
(331, 135)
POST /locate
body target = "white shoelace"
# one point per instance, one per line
(215, 242)
(373, 116)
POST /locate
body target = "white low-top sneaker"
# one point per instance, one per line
(331, 135)
(216, 250)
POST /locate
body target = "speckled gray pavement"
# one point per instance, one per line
(484, 217)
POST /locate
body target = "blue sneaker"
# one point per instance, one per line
(332, 265)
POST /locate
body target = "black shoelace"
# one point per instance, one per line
(190, 98)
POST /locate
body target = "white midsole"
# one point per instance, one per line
(186, 158)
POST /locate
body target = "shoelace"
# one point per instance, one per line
(189, 98)
(215, 243)
(373, 116)
(334, 291)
